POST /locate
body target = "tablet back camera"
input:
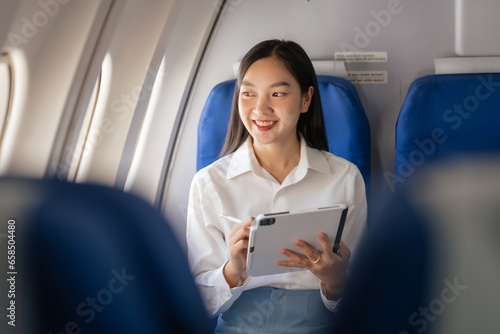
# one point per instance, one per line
(267, 221)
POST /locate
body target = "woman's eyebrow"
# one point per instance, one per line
(282, 83)
(276, 84)
(247, 83)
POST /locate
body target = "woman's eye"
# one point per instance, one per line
(248, 94)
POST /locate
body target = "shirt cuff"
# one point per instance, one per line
(331, 305)
(227, 295)
(221, 285)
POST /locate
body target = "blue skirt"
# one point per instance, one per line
(272, 310)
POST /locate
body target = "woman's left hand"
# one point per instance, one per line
(329, 267)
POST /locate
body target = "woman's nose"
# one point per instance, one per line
(262, 106)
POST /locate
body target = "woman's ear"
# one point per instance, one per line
(306, 100)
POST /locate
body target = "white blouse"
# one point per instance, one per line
(236, 185)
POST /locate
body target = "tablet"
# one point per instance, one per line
(270, 233)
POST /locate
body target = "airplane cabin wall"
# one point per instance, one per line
(99, 101)
(188, 30)
(128, 68)
(45, 47)
(7, 12)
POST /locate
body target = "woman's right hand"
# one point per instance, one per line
(236, 267)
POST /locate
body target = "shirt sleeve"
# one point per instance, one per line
(207, 248)
(356, 217)
(329, 304)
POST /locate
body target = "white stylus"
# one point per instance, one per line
(231, 219)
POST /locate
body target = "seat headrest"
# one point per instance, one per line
(447, 115)
(467, 65)
(346, 125)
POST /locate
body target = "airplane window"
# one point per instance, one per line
(84, 137)
(5, 92)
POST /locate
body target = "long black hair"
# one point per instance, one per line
(296, 61)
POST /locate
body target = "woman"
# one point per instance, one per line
(274, 159)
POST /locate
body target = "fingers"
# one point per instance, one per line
(296, 260)
(314, 259)
(344, 252)
(329, 267)
(289, 264)
(241, 230)
(238, 239)
(244, 224)
(310, 257)
(308, 251)
(242, 233)
(240, 245)
(325, 243)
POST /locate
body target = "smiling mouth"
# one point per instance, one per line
(265, 123)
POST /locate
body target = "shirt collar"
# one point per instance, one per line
(310, 158)
(314, 157)
(244, 160)
(241, 161)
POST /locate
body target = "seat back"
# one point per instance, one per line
(447, 114)
(96, 260)
(457, 110)
(347, 128)
(429, 263)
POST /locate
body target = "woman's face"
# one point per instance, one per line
(270, 102)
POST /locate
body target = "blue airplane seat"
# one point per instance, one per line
(430, 262)
(347, 128)
(389, 276)
(93, 259)
(447, 114)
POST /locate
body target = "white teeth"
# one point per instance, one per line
(265, 123)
